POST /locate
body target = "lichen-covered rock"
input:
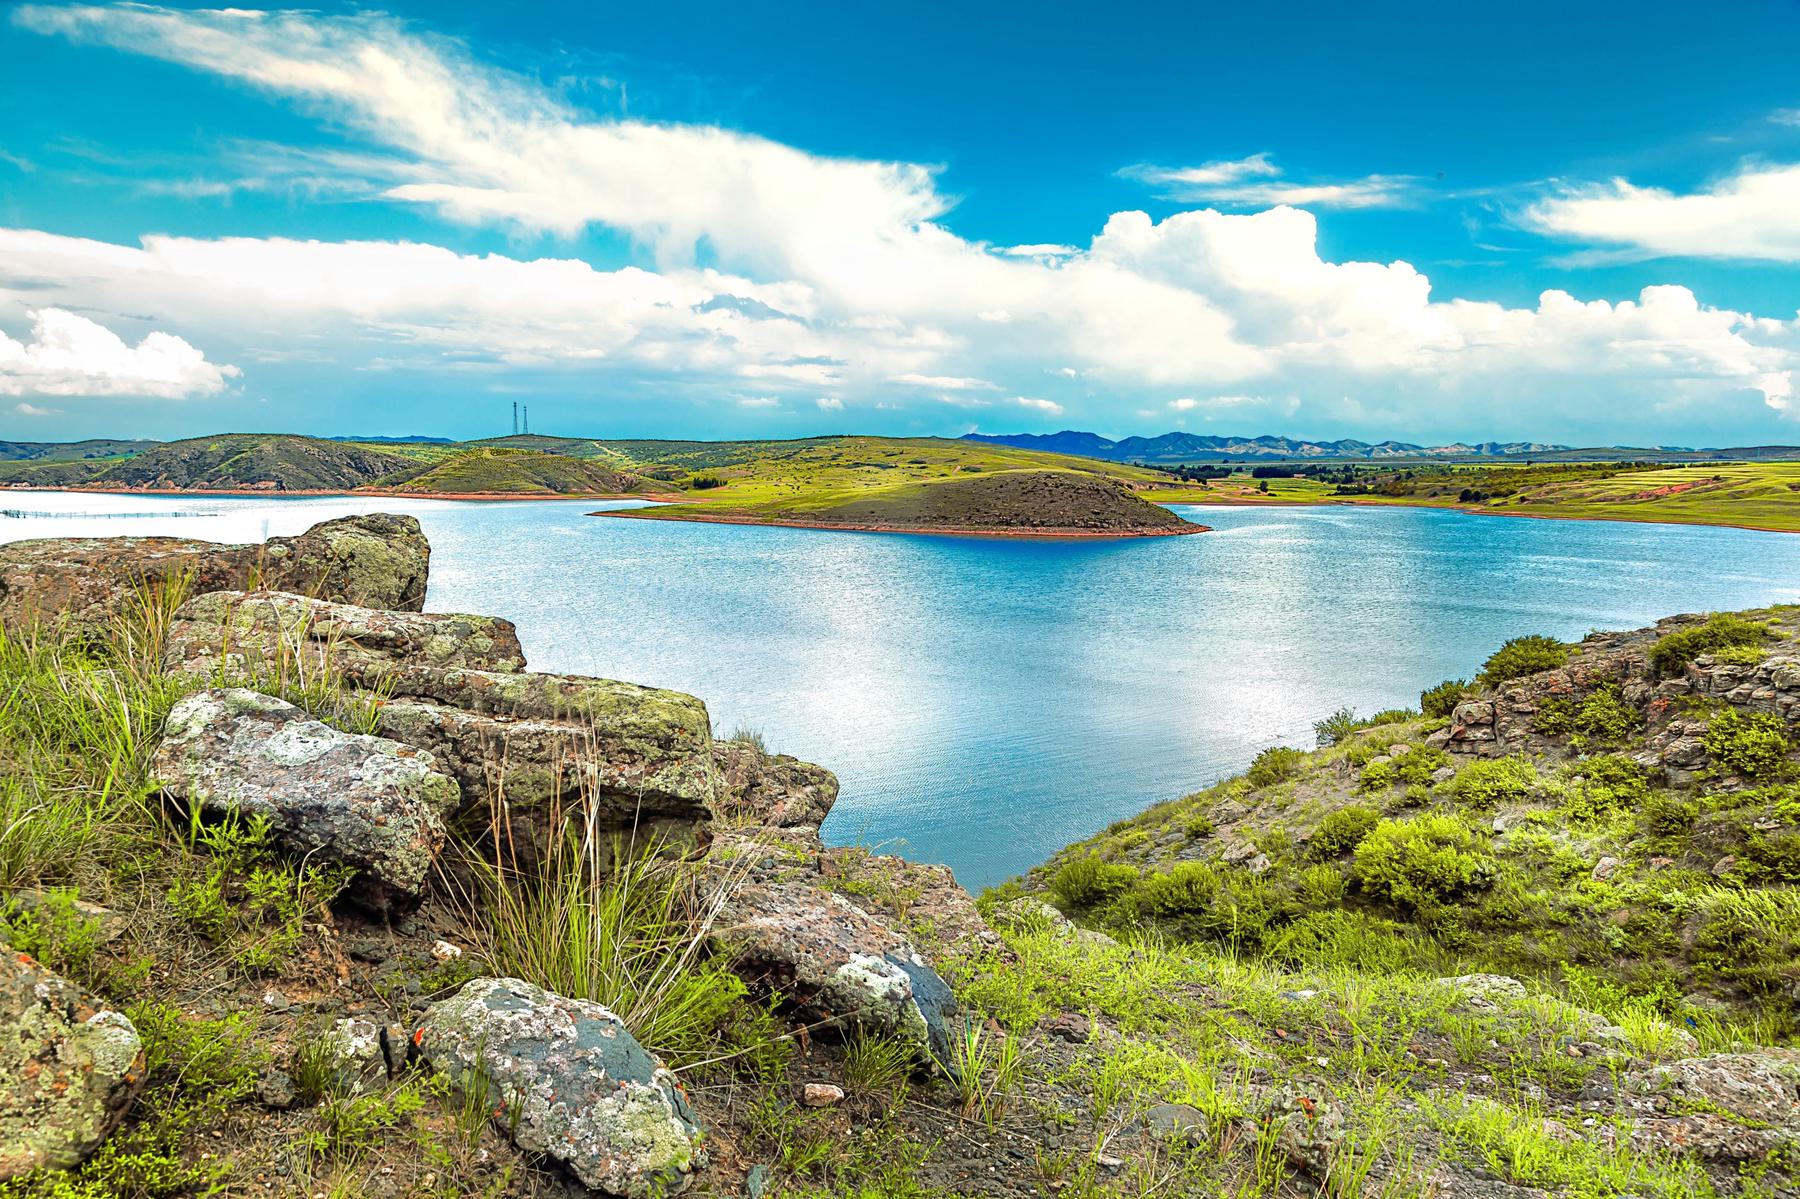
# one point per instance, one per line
(378, 560)
(564, 1077)
(771, 790)
(367, 802)
(835, 961)
(1484, 988)
(1726, 1106)
(398, 653)
(638, 760)
(69, 1069)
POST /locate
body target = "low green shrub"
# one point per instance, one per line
(1722, 630)
(1489, 782)
(1413, 768)
(1342, 831)
(1442, 699)
(1607, 785)
(1522, 656)
(1085, 882)
(1754, 745)
(1422, 862)
(1334, 728)
(1187, 888)
(1602, 717)
(1664, 815)
(1273, 765)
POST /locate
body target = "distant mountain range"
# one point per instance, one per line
(1195, 447)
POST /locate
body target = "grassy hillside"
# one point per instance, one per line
(511, 472)
(1763, 495)
(1200, 1046)
(1581, 857)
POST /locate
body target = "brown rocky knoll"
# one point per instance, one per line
(1044, 503)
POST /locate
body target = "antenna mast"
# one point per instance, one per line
(528, 420)
(515, 418)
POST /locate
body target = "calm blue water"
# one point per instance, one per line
(987, 701)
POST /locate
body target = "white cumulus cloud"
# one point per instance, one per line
(66, 354)
(1753, 213)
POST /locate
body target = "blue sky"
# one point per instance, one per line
(706, 220)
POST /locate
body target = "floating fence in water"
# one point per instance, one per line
(28, 514)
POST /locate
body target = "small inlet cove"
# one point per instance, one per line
(986, 701)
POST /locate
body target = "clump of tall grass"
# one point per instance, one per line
(79, 717)
(595, 915)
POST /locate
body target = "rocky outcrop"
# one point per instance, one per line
(636, 760)
(279, 633)
(69, 1069)
(366, 802)
(565, 1078)
(773, 790)
(1724, 1107)
(379, 560)
(639, 759)
(832, 959)
(1517, 717)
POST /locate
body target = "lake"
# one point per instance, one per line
(987, 701)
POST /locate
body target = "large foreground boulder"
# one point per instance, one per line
(379, 561)
(69, 1069)
(275, 632)
(565, 1078)
(541, 748)
(361, 801)
(835, 962)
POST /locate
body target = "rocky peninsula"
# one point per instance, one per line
(312, 892)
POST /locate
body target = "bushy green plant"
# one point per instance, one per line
(1607, 785)
(1085, 882)
(1753, 745)
(1442, 699)
(1184, 889)
(1602, 717)
(1490, 782)
(1334, 728)
(1414, 767)
(1342, 831)
(1322, 886)
(1273, 765)
(1664, 815)
(1422, 862)
(1522, 656)
(1722, 630)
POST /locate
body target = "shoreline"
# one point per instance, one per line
(1048, 534)
(1353, 502)
(381, 493)
(692, 504)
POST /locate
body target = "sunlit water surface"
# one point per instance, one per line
(986, 701)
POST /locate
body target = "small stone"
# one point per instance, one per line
(756, 1182)
(1168, 1121)
(1298, 996)
(821, 1094)
(444, 951)
(275, 1090)
(275, 1001)
(1072, 1027)
(1606, 867)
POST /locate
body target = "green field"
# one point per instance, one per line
(1760, 495)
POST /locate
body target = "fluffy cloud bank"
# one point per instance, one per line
(1752, 214)
(66, 354)
(838, 279)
